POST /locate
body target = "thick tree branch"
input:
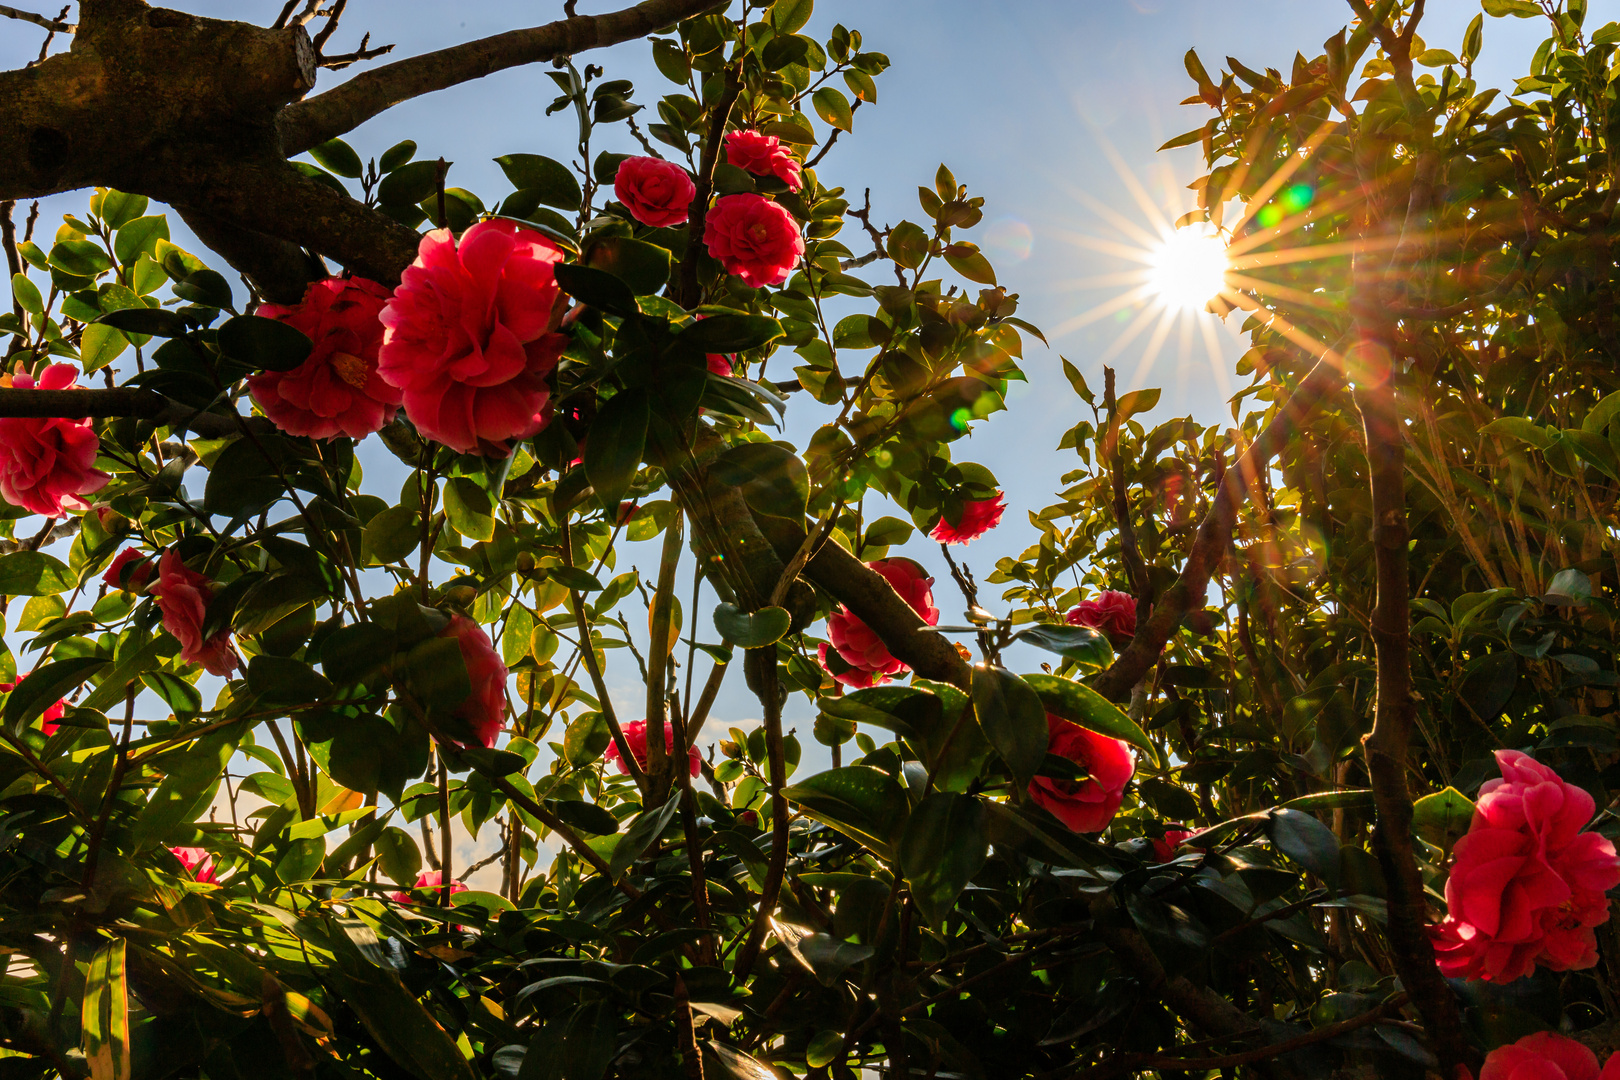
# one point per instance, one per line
(1215, 533)
(55, 26)
(346, 107)
(280, 270)
(123, 401)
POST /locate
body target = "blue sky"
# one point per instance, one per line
(1044, 107)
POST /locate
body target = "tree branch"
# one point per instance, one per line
(1215, 533)
(344, 108)
(55, 26)
(123, 401)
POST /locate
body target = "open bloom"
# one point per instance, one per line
(1088, 805)
(485, 707)
(1112, 612)
(46, 463)
(869, 660)
(1527, 885)
(1165, 847)
(336, 390)
(51, 717)
(979, 516)
(132, 579)
(635, 736)
(754, 238)
(763, 155)
(431, 880)
(1547, 1056)
(198, 861)
(182, 596)
(471, 336)
(656, 192)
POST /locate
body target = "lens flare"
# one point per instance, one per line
(1008, 239)
(1189, 269)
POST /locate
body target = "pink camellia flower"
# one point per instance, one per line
(1114, 613)
(1527, 885)
(471, 336)
(656, 192)
(198, 861)
(432, 880)
(978, 517)
(1547, 1056)
(869, 660)
(635, 736)
(763, 155)
(51, 717)
(336, 390)
(485, 707)
(1085, 806)
(1174, 835)
(754, 238)
(46, 463)
(182, 595)
(719, 364)
(138, 574)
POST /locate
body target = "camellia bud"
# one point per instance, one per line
(728, 748)
(461, 595)
(525, 562)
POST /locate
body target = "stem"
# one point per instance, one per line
(690, 292)
(762, 669)
(658, 652)
(444, 833)
(588, 655)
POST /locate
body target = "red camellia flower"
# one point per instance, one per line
(635, 735)
(1527, 885)
(1114, 613)
(870, 662)
(336, 390)
(754, 238)
(656, 192)
(138, 574)
(182, 595)
(1174, 835)
(978, 517)
(198, 861)
(46, 463)
(1085, 806)
(471, 336)
(763, 155)
(432, 880)
(52, 716)
(485, 707)
(1547, 1056)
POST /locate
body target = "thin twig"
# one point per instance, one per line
(55, 26)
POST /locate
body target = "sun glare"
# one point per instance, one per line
(1188, 270)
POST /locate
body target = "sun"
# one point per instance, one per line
(1188, 269)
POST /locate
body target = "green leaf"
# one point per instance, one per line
(945, 843)
(81, 258)
(1012, 718)
(104, 1022)
(648, 827)
(187, 789)
(967, 260)
(908, 245)
(552, 182)
(338, 157)
(155, 322)
(789, 16)
(731, 333)
(26, 293)
(119, 208)
(1443, 817)
(1568, 588)
(598, 288)
(596, 820)
(586, 740)
(618, 437)
(772, 479)
(751, 631)
(1080, 643)
(1523, 9)
(33, 573)
(409, 184)
(1137, 401)
(398, 855)
(206, 287)
(396, 155)
(1517, 427)
(402, 1027)
(864, 803)
(100, 345)
(833, 108)
(469, 508)
(285, 681)
(1080, 704)
(887, 532)
(263, 344)
(1306, 841)
(822, 955)
(642, 266)
(392, 534)
(140, 237)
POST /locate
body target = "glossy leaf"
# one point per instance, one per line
(1012, 718)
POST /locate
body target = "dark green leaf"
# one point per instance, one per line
(945, 843)
(864, 803)
(409, 184)
(45, 687)
(339, 157)
(772, 479)
(1080, 643)
(1080, 704)
(33, 573)
(155, 322)
(642, 266)
(1306, 841)
(551, 181)
(751, 631)
(731, 333)
(648, 826)
(598, 288)
(1011, 715)
(618, 437)
(263, 344)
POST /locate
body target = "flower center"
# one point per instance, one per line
(351, 369)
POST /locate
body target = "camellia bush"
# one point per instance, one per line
(1311, 783)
